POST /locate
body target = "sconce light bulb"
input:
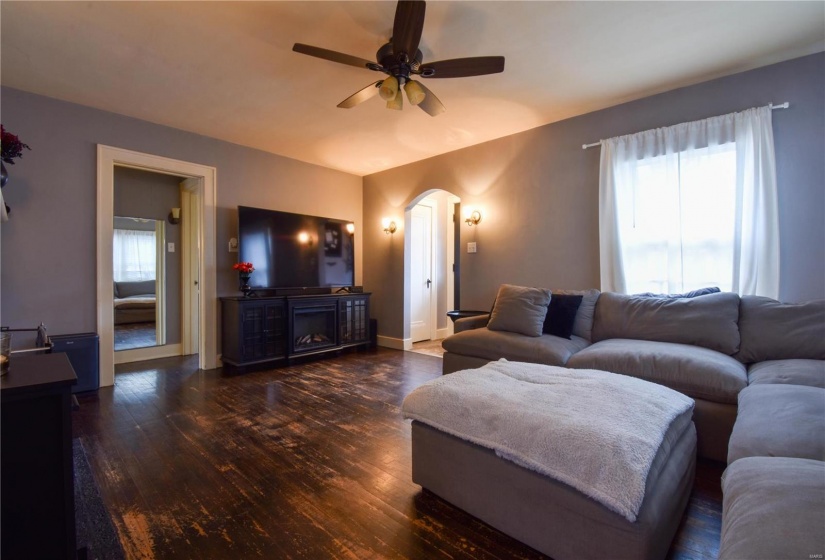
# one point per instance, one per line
(388, 225)
(303, 237)
(473, 217)
(350, 228)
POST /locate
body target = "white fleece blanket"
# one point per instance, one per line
(593, 430)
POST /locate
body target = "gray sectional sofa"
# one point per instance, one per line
(774, 486)
(755, 368)
(134, 302)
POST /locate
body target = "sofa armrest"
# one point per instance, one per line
(470, 323)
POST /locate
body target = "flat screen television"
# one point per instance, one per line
(295, 250)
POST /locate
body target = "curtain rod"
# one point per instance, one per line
(773, 107)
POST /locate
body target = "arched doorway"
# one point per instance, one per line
(431, 265)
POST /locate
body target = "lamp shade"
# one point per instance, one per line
(397, 102)
(388, 89)
(414, 92)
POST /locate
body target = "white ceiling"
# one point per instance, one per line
(226, 69)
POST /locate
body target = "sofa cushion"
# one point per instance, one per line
(561, 314)
(698, 372)
(583, 325)
(519, 309)
(774, 507)
(772, 330)
(141, 288)
(709, 321)
(493, 345)
(791, 372)
(690, 294)
(779, 421)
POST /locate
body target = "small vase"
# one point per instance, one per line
(245, 287)
(4, 178)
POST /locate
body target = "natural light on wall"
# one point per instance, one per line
(676, 221)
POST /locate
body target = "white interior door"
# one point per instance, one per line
(190, 285)
(421, 266)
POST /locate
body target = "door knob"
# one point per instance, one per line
(429, 282)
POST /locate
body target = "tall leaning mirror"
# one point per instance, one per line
(139, 282)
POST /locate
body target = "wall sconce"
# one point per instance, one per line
(350, 228)
(303, 238)
(174, 216)
(473, 217)
(388, 225)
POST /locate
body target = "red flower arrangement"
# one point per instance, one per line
(243, 267)
(11, 145)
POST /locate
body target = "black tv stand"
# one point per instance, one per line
(265, 330)
(284, 292)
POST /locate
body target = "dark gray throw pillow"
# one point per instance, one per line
(519, 309)
(561, 314)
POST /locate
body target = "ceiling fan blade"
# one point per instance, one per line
(462, 67)
(406, 30)
(360, 96)
(332, 55)
(431, 105)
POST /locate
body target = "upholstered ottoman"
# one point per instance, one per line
(515, 494)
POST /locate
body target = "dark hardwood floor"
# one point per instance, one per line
(135, 335)
(309, 461)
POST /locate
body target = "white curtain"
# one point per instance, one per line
(691, 206)
(134, 255)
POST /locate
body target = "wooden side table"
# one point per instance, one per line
(37, 477)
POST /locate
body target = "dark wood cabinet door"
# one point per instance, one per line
(353, 314)
(263, 330)
(274, 335)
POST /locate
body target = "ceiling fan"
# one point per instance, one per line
(401, 58)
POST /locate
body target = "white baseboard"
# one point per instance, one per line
(395, 343)
(443, 333)
(150, 353)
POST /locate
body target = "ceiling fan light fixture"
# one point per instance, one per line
(414, 92)
(389, 89)
(397, 102)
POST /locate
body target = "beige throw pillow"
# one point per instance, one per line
(519, 309)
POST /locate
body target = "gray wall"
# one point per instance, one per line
(538, 191)
(48, 245)
(143, 194)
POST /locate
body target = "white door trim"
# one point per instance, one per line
(148, 353)
(107, 158)
(190, 231)
(160, 282)
(452, 200)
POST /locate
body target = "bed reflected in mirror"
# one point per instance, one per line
(138, 267)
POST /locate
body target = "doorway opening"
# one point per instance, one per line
(431, 264)
(199, 182)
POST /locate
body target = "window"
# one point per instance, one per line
(134, 255)
(677, 225)
(691, 206)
